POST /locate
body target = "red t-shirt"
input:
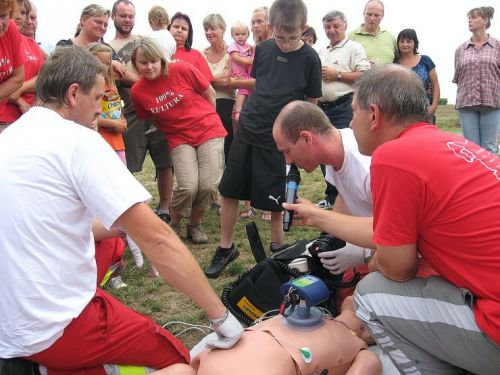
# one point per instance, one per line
(442, 192)
(195, 58)
(177, 106)
(33, 63)
(11, 56)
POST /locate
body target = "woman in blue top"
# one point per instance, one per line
(408, 55)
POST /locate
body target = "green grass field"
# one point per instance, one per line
(155, 298)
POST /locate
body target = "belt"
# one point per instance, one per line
(337, 102)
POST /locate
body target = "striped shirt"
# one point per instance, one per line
(380, 48)
(477, 74)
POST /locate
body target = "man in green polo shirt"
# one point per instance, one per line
(379, 44)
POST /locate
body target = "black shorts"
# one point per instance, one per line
(137, 144)
(255, 174)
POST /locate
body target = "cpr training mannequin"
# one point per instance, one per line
(270, 347)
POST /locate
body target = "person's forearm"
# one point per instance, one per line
(107, 124)
(209, 94)
(436, 92)
(220, 82)
(26, 87)
(242, 83)
(435, 98)
(12, 84)
(355, 230)
(350, 77)
(394, 264)
(241, 60)
(171, 257)
(129, 78)
(29, 86)
(101, 233)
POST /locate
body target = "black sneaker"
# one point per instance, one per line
(220, 261)
(165, 217)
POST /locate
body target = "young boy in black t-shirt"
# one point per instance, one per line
(284, 69)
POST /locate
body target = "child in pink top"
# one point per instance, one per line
(241, 54)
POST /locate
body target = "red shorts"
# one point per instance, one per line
(107, 253)
(108, 332)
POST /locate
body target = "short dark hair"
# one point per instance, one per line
(118, 2)
(334, 14)
(189, 41)
(300, 116)
(288, 15)
(310, 32)
(396, 90)
(67, 65)
(411, 35)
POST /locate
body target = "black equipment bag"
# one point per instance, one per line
(18, 366)
(257, 291)
(245, 297)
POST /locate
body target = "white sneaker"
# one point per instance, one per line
(117, 283)
(324, 204)
(136, 252)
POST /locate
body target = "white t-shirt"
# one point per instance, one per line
(56, 176)
(166, 42)
(352, 180)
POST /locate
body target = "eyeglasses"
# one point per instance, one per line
(99, 23)
(291, 40)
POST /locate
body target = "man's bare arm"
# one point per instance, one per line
(170, 256)
(353, 229)
(398, 263)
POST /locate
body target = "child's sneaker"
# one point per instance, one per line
(324, 204)
(136, 252)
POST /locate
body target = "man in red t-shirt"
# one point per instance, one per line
(436, 194)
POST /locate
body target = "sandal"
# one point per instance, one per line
(248, 213)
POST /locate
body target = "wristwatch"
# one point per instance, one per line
(339, 75)
(216, 323)
(367, 255)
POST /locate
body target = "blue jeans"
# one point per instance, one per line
(340, 115)
(481, 126)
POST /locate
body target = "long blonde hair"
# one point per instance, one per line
(99, 47)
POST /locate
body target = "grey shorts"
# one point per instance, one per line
(137, 144)
(426, 326)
